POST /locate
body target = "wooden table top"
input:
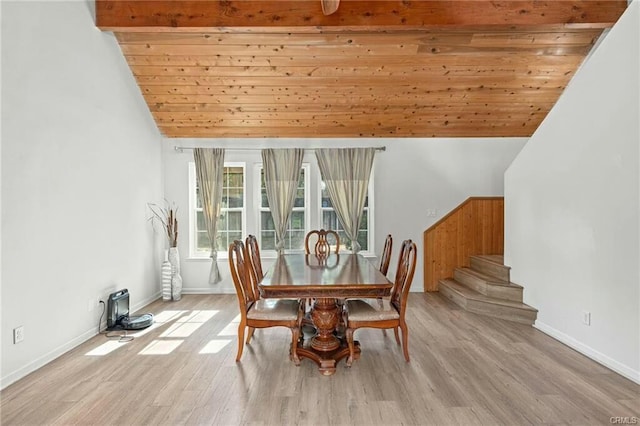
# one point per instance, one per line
(338, 276)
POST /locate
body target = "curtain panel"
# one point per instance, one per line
(346, 171)
(281, 174)
(210, 174)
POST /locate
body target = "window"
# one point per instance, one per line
(245, 210)
(296, 231)
(232, 214)
(330, 220)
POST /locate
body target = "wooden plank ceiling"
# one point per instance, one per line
(371, 69)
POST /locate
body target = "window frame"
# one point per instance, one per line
(370, 212)
(306, 166)
(194, 253)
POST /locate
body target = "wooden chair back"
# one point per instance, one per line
(404, 276)
(385, 258)
(255, 263)
(322, 247)
(241, 276)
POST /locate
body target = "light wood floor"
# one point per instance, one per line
(465, 369)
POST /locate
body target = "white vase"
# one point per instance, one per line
(176, 278)
(165, 273)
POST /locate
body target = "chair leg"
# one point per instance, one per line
(241, 328)
(405, 340)
(250, 334)
(295, 331)
(349, 335)
(395, 331)
(380, 303)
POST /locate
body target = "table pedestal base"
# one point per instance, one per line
(327, 360)
(325, 348)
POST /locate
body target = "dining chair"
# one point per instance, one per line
(385, 313)
(261, 313)
(322, 247)
(385, 258)
(255, 263)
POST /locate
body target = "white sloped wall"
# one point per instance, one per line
(572, 207)
(81, 157)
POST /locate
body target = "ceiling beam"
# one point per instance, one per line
(272, 15)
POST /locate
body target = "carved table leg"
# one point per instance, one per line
(325, 317)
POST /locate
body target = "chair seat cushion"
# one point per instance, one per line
(274, 309)
(371, 310)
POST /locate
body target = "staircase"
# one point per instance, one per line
(484, 288)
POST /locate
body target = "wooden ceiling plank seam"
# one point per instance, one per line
(483, 38)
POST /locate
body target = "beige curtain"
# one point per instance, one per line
(281, 174)
(346, 172)
(210, 173)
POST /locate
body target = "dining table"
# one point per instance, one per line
(324, 279)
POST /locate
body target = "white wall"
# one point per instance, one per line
(572, 207)
(411, 176)
(81, 157)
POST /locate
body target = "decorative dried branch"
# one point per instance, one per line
(166, 215)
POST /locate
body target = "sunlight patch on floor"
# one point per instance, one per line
(105, 348)
(231, 329)
(186, 325)
(214, 346)
(160, 347)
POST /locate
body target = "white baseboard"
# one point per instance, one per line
(46, 358)
(66, 347)
(599, 357)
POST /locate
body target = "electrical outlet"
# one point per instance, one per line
(18, 334)
(432, 212)
(586, 317)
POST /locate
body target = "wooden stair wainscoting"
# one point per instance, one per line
(485, 288)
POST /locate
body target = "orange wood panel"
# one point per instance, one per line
(474, 227)
(230, 14)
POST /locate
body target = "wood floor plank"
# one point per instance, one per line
(465, 369)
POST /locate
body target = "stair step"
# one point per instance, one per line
(472, 301)
(488, 285)
(490, 264)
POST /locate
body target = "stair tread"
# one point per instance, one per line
(474, 295)
(488, 278)
(497, 259)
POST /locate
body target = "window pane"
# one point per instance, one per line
(296, 241)
(200, 218)
(299, 200)
(330, 221)
(222, 222)
(266, 221)
(297, 220)
(234, 220)
(203, 241)
(263, 197)
(364, 222)
(223, 241)
(235, 197)
(268, 240)
(235, 176)
(363, 240)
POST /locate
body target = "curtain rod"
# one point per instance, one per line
(181, 149)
